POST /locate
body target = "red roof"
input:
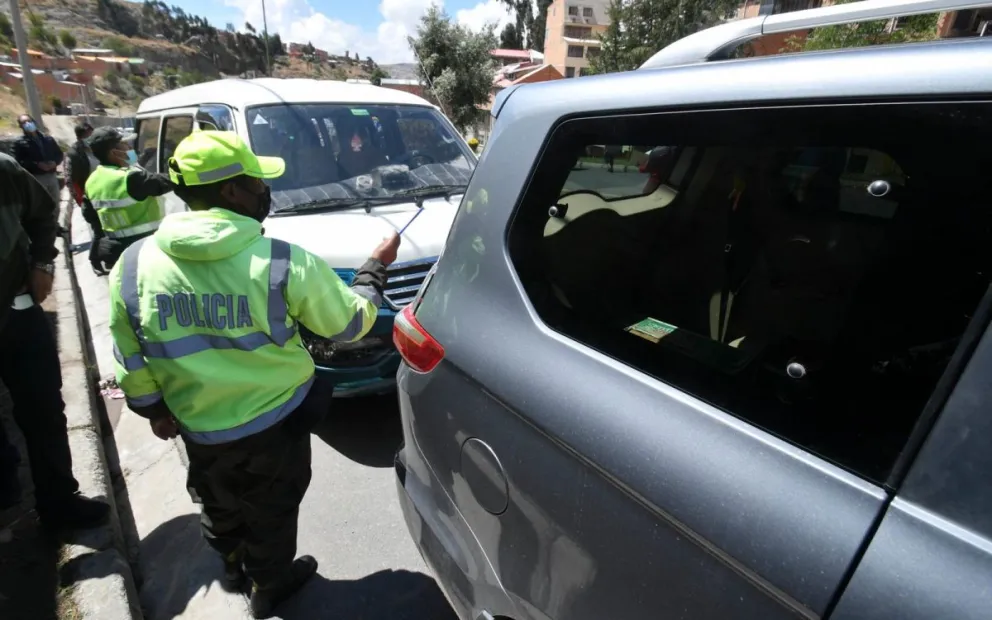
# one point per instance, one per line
(521, 54)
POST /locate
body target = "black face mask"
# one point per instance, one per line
(263, 202)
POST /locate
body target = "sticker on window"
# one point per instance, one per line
(359, 112)
(260, 120)
(651, 329)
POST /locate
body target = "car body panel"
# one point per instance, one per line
(938, 532)
(638, 500)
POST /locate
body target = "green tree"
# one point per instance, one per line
(38, 33)
(119, 45)
(902, 30)
(6, 28)
(511, 38)
(6, 34)
(639, 28)
(456, 63)
(529, 26)
(377, 76)
(67, 39)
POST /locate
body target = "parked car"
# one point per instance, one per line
(361, 161)
(760, 390)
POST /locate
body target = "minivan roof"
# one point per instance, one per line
(938, 69)
(238, 94)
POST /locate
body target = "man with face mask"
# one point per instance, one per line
(126, 197)
(40, 155)
(205, 316)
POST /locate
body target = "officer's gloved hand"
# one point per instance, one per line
(165, 427)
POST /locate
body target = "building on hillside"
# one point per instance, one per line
(296, 51)
(507, 57)
(414, 87)
(100, 65)
(92, 51)
(571, 37)
(527, 72)
(60, 84)
(41, 60)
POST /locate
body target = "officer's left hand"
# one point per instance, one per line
(40, 285)
(165, 427)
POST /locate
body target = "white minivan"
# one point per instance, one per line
(361, 162)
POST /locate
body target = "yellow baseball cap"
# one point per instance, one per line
(205, 157)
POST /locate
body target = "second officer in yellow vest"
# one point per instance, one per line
(204, 317)
(126, 198)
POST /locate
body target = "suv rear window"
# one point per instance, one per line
(745, 262)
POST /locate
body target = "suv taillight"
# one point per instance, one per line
(419, 350)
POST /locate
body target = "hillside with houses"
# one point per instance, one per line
(105, 56)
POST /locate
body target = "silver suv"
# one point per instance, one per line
(756, 386)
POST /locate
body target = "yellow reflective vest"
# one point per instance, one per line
(121, 216)
(204, 316)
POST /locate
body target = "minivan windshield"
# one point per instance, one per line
(343, 155)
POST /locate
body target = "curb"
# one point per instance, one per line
(103, 586)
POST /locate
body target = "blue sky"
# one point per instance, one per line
(376, 28)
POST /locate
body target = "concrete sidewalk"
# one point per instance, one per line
(176, 572)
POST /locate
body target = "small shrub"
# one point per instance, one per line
(119, 45)
(67, 39)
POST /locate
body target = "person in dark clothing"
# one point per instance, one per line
(125, 212)
(29, 362)
(80, 162)
(40, 155)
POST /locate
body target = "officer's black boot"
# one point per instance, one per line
(264, 602)
(234, 573)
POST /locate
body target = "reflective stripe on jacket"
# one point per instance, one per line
(204, 316)
(121, 216)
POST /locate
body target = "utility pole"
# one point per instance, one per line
(265, 34)
(34, 106)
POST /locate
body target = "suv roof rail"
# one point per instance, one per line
(718, 42)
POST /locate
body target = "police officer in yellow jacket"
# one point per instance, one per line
(126, 198)
(204, 320)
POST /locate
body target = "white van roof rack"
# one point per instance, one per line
(718, 42)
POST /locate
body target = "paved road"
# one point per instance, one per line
(350, 520)
(609, 184)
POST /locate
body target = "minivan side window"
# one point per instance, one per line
(146, 144)
(174, 130)
(215, 118)
(808, 270)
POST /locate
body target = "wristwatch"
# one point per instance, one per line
(48, 268)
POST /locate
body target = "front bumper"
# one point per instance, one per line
(379, 378)
(376, 377)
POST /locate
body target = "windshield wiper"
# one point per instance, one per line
(431, 191)
(324, 203)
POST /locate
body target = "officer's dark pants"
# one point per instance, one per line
(29, 368)
(251, 491)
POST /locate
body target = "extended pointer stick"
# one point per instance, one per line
(415, 215)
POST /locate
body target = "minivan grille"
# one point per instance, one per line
(405, 280)
(364, 352)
